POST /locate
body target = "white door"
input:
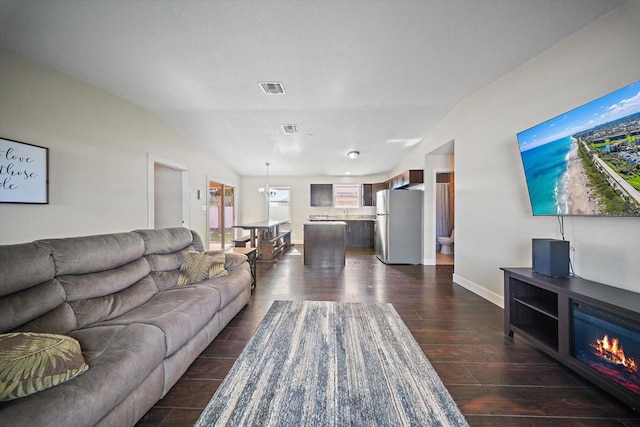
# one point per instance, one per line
(167, 197)
(168, 202)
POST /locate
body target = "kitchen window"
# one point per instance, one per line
(346, 195)
(280, 206)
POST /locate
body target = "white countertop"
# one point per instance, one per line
(331, 222)
(331, 218)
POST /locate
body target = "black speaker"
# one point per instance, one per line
(550, 257)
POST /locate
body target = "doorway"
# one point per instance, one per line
(167, 193)
(445, 225)
(221, 215)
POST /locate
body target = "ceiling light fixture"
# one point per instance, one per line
(266, 191)
(353, 154)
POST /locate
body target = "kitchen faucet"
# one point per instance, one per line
(345, 211)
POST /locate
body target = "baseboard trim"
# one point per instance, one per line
(479, 290)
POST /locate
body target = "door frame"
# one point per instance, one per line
(432, 167)
(152, 160)
(434, 209)
(236, 192)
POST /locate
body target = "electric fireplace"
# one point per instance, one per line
(607, 343)
(592, 328)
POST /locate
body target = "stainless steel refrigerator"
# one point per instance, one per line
(399, 226)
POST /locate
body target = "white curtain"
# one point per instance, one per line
(443, 209)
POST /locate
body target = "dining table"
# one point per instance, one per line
(261, 230)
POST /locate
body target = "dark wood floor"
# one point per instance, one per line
(493, 379)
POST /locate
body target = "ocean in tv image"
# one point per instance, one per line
(546, 169)
(586, 161)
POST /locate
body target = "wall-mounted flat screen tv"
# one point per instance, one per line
(586, 161)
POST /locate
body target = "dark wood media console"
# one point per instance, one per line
(541, 310)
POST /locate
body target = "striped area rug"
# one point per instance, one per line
(313, 363)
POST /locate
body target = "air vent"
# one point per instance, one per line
(290, 129)
(272, 88)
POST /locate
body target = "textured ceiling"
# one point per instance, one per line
(359, 75)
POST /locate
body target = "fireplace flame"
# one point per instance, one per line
(612, 351)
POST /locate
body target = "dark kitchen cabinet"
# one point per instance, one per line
(368, 196)
(360, 234)
(322, 195)
(369, 193)
(407, 179)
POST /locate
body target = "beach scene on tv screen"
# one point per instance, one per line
(586, 161)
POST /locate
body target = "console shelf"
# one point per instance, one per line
(542, 305)
(538, 308)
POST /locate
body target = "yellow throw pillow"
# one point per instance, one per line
(199, 266)
(31, 362)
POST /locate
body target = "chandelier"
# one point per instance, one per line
(266, 191)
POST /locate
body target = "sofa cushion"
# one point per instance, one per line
(233, 260)
(179, 313)
(166, 240)
(119, 358)
(24, 265)
(24, 306)
(107, 294)
(32, 362)
(165, 262)
(229, 287)
(165, 279)
(163, 252)
(28, 289)
(198, 266)
(92, 310)
(103, 282)
(60, 320)
(90, 254)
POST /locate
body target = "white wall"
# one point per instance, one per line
(98, 147)
(494, 224)
(254, 208)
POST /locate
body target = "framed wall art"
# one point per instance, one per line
(24, 172)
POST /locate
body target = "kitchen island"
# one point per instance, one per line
(324, 243)
(360, 231)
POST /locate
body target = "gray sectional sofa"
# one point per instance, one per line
(117, 295)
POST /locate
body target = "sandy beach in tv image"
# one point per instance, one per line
(580, 197)
(586, 161)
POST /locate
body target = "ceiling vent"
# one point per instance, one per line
(272, 88)
(290, 129)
